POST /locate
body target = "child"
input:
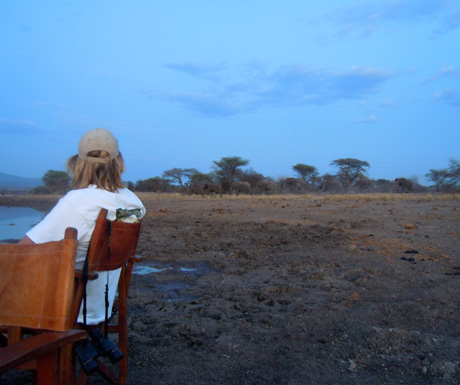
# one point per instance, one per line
(97, 184)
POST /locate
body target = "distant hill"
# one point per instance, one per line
(13, 182)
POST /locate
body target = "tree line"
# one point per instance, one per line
(231, 175)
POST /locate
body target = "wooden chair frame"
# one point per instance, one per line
(36, 296)
(48, 350)
(118, 240)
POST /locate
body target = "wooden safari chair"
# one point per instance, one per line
(113, 245)
(36, 297)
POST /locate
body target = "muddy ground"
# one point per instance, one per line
(295, 290)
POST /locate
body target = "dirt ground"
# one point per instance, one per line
(295, 290)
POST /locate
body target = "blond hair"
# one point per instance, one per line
(105, 175)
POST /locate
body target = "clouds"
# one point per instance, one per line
(233, 91)
(369, 119)
(197, 69)
(447, 72)
(367, 17)
(222, 91)
(300, 85)
(450, 22)
(21, 127)
(448, 97)
(208, 104)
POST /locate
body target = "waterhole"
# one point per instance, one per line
(174, 280)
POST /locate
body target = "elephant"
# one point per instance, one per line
(292, 185)
(203, 188)
(404, 185)
(267, 187)
(331, 186)
(363, 185)
(240, 187)
(211, 189)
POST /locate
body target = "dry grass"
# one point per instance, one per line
(396, 197)
(416, 197)
(332, 197)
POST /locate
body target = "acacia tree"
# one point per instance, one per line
(198, 180)
(155, 184)
(446, 178)
(350, 170)
(251, 176)
(307, 173)
(56, 181)
(199, 177)
(228, 169)
(329, 183)
(180, 176)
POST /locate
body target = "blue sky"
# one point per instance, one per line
(182, 84)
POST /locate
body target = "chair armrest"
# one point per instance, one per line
(92, 275)
(36, 346)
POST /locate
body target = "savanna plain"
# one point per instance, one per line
(294, 289)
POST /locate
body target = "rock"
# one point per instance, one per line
(352, 367)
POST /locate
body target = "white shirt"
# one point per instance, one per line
(80, 209)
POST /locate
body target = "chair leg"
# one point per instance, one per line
(123, 363)
(123, 330)
(14, 336)
(82, 377)
(68, 365)
(120, 327)
(48, 369)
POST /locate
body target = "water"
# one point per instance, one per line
(176, 281)
(144, 270)
(16, 221)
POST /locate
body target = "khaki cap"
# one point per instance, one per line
(97, 140)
